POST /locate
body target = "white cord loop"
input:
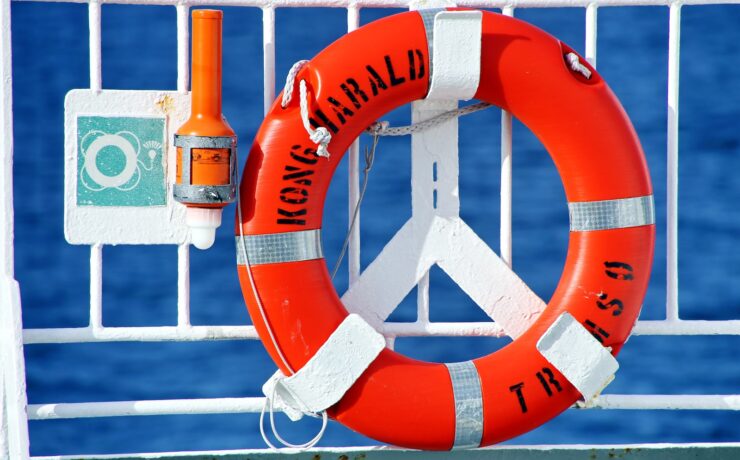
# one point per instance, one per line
(319, 136)
(382, 128)
(576, 66)
(269, 404)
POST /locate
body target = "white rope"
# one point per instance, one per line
(576, 66)
(319, 136)
(381, 128)
(290, 82)
(269, 402)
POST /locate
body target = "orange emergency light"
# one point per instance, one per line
(206, 144)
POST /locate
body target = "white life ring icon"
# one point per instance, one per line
(91, 157)
(127, 143)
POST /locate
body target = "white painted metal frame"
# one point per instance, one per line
(14, 417)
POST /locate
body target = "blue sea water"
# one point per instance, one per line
(50, 57)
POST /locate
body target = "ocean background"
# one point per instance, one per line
(50, 57)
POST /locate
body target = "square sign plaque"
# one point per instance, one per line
(119, 167)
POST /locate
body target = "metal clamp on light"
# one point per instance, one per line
(188, 192)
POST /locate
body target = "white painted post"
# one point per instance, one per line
(4, 454)
(14, 369)
(434, 178)
(13, 419)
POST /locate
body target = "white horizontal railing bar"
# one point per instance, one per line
(138, 334)
(667, 402)
(417, 329)
(255, 404)
(688, 327)
(152, 407)
(499, 4)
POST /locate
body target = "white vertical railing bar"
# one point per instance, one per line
(592, 32)
(183, 47)
(353, 178)
(96, 286)
(96, 69)
(674, 49)
(507, 150)
(96, 84)
(6, 143)
(183, 81)
(505, 234)
(268, 56)
(7, 379)
(353, 185)
(183, 285)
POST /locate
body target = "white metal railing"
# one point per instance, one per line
(15, 418)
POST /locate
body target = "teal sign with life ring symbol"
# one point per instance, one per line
(121, 161)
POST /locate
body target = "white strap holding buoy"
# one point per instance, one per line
(455, 55)
(585, 362)
(335, 367)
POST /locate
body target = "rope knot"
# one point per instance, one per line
(321, 136)
(577, 66)
(377, 128)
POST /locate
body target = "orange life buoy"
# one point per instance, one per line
(352, 83)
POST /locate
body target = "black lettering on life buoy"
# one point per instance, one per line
(307, 157)
(413, 73)
(614, 303)
(322, 116)
(297, 175)
(548, 382)
(598, 333)
(395, 81)
(294, 195)
(619, 271)
(517, 388)
(340, 111)
(296, 188)
(376, 81)
(292, 217)
(354, 92)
